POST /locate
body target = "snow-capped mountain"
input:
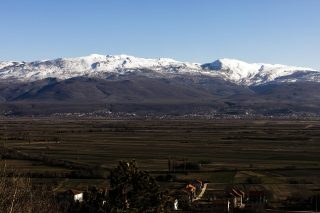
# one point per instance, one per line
(91, 66)
(259, 73)
(122, 83)
(103, 65)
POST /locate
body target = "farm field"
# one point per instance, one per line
(218, 143)
(281, 156)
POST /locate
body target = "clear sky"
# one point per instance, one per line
(271, 31)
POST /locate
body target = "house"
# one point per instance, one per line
(237, 197)
(192, 189)
(186, 195)
(197, 183)
(74, 195)
(78, 197)
(194, 186)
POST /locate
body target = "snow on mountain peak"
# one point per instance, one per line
(252, 73)
(91, 65)
(233, 69)
(96, 65)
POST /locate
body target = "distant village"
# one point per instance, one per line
(192, 116)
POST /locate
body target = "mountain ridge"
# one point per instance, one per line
(102, 66)
(127, 84)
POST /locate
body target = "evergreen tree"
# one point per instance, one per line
(133, 189)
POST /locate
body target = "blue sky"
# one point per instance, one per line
(272, 31)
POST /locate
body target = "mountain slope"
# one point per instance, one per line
(123, 89)
(139, 94)
(98, 83)
(125, 94)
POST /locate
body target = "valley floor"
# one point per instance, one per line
(281, 157)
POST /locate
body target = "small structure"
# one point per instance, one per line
(192, 189)
(237, 197)
(78, 197)
(197, 184)
(74, 195)
(185, 196)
